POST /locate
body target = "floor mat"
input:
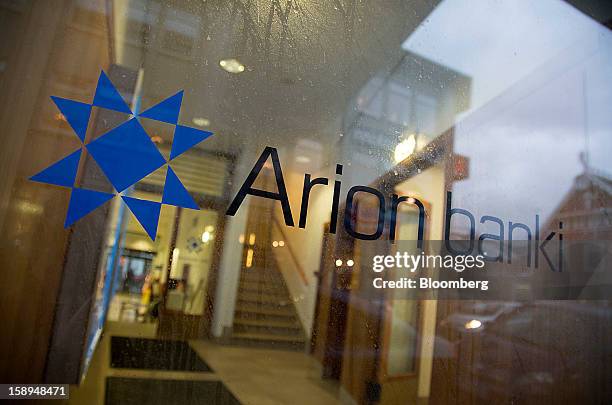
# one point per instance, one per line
(137, 391)
(154, 354)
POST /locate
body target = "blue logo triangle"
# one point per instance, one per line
(167, 110)
(146, 212)
(76, 113)
(82, 202)
(126, 154)
(185, 138)
(176, 194)
(61, 173)
(108, 97)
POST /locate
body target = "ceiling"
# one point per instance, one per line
(304, 60)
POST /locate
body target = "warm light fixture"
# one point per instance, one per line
(249, 258)
(206, 237)
(175, 257)
(338, 263)
(275, 244)
(473, 324)
(252, 239)
(405, 148)
(302, 159)
(142, 244)
(241, 239)
(350, 262)
(231, 66)
(281, 243)
(201, 122)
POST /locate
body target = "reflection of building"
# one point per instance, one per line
(409, 106)
(415, 106)
(586, 209)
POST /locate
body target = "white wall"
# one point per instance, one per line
(230, 264)
(306, 242)
(428, 186)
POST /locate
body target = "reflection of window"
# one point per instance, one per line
(401, 357)
(141, 17)
(180, 31)
(194, 246)
(402, 316)
(426, 114)
(376, 106)
(398, 104)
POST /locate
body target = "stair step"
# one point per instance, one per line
(258, 311)
(261, 276)
(265, 298)
(255, 281)
(263, 288)
(262, 284)
(273, 292)
(267, 323)
(248, 303)
(269, 337)
(265, 327)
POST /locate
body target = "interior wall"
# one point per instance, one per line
(231, 258)
(57, 56)
(305, 242)
(428, 186)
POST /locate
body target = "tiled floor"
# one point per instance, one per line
(255, 376)
(268, 377)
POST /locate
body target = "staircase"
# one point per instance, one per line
(265, 315)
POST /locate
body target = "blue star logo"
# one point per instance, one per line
(125, 154)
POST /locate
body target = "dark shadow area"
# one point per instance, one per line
(155, 354)
(128, 391)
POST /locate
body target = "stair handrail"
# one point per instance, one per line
(292, 254)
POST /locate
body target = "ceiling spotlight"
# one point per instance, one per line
(338, 263)
(231, 65)
(350, 262)
(206, 237)
(201, 122)
(405, 148)
(473, 324)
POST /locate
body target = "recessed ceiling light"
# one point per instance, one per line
(206, 237)
(231, 65)
(405, 148)
(473, 324)
(201, 122)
